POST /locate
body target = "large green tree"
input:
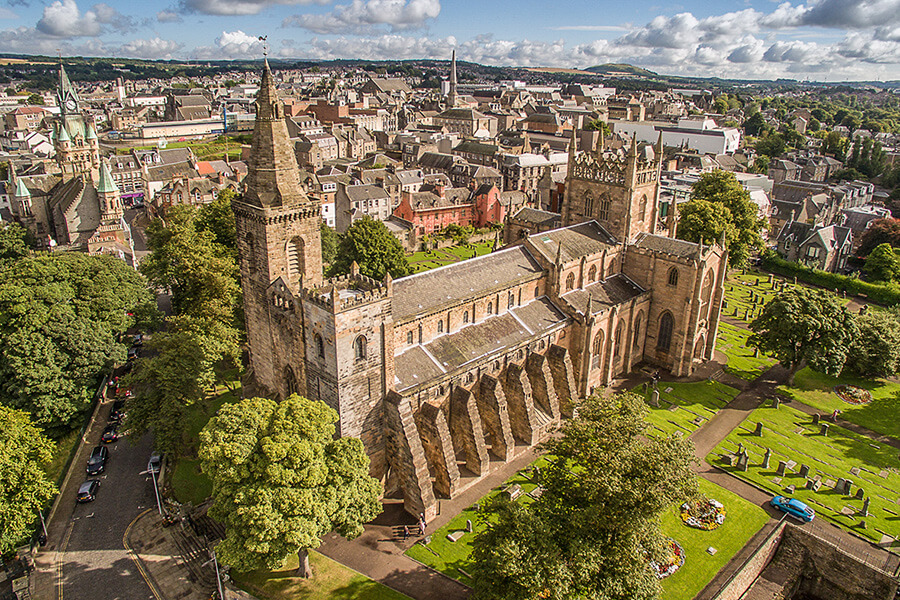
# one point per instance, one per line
(377, 252)
(720, 205)
(880, 231)
(803, 326)
(217, 218)
(883, 264)
(24, 486)
(875, 350)
(60, 315)
(281, 480)
(594, 529)
(15, 241)
(330, 242)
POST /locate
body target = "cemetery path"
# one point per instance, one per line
(841, 422)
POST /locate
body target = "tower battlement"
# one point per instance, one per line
(347, 291)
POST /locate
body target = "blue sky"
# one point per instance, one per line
(821, 39)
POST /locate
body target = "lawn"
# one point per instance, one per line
(210, 149)
(62, 452)
(738, 289)
(330, 581)
(879, 415)
(431, 259)
(743, 519)
(741, 360)
(742, 522)
(684, 407)
(188, 483)
(791, 436)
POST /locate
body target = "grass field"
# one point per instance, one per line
(842, 454)
(64, 448)
(879, 415)
(431, 259)
(330, 581)
(741, 360)
(687, 406)
(213, 149)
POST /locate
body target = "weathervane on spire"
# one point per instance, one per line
(263, 39)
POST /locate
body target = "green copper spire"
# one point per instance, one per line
(21, 189)
(91, 134)
(63, 134)
(106, 185)
(66, 97)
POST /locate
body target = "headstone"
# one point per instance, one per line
(804, 470)
(711, 551)
(477, 507)
(743, 461)
(810, 483)
(776, 402)
(537, 474)
(848, 483)
(454, 537)
(756, 353)
(790, 489)
(860, 493)
(771, 278)
(816, 485)
(865, 508)
(740, 448)
(746, 314)
(824, 429)
(839, 486)
(782, 466)
(654, 398)
(469, 525)
(816, 418)
(728, 459)
(724, 304)
(862, 525)
(759, 430)
(795, 280)
(766, 457)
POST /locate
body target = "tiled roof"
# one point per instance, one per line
(538, 217)
(607, 293)
(666, 245)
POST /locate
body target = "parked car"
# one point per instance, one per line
(793, 507)
(154, 463)
(110, 434)
(88, 490)
(96, 464)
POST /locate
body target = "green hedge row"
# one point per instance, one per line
(886, 295)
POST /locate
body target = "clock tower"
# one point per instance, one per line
(74, 138)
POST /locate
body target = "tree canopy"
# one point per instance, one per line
(377, 252)
(880, 231)
(330, 242)
(719, 204)
(24, 486)
(60, 315)
(217, 218)
(803, 326)
(281, 480)
(883, 264)
(875, 350)
(594, 529)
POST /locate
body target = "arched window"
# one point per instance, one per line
(490, 308)
(642, 208)
(597, 350)
(637, 330)
(673, 276)
(537, 291)
(666, 325)
(320, 346)
(409, 337)
(588, 204)
(570, 282)
(511, 301)
(611, 268)
(295, 257)
(466, 317)
(603, 213)
(618, 340)
(440, 327)
(592, 273)
(359, 347)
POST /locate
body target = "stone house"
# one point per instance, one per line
(823, 248)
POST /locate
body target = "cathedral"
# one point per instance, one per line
(448, 373)
(79, 206)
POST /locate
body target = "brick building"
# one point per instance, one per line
(444, 372)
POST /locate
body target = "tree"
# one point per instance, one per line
(24, 486)
(599, 125)
(772, 145)
(60, 315)
(217, 218)
(377, 252)
(36, 100)
(761, 164)
(875, 350)
(881, 231)
(835, 145)
(882, 264)
(14, 243)
(721, 105)
(847, 174)
(281, 480)
(596, 525)
(719, 204)
(801, 326)
(330, 242)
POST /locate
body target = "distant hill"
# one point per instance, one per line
(618, 69)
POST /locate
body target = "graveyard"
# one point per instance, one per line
(432, 259)
(685, 407)
(845, 477)
(743, 361)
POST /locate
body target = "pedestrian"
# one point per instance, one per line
(834, 415)
(405, 532)
(421, 527)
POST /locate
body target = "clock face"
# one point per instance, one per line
(70, 104)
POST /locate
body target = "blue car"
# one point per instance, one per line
(793, 507)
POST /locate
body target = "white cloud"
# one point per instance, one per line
(63, 19)
(6, 13)
(168, 16)
(361, 15)
(154, 48)
(232, 44)
(239, 7)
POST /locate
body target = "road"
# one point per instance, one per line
(94, 562)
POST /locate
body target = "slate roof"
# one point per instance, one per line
(474, 147)
(437, 160)
(576, 241)
(794, 231)
(666, 245)
(607, 293)
(462, 113)
(786, 211)
(446, 353)
(358, 193)
(430, 200)
(538, 217)
(427, 291)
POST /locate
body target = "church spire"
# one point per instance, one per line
(451, 97)
(273, 178)
(66, 96)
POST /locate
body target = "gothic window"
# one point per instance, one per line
(320, 346)
(490, 308)
(440, 327)
(666, 325)
(359, 348)
(597, 350)
(570, 282)
(295, 257)
(637, 330)
(603, 213)
(618, 340)
(536, 291)
(588, 204)
(592, 273)
(642, 214)
(466, 317)
(409, 337)
(673, 276)
(511, 301)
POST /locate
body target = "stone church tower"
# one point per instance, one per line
(74, 139)
(279, 247)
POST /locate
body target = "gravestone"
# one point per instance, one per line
(771, 278)
(839, 486)
(860, 493)
(746, 314)
(728, 459)
(862, 525)
(816, 418)
(757, 281)
(776, 402)
(816, 485)
(782, 466)
(756, 353)
(848, 483)
(654, 399)
(865, 508)
(743, 461)
(824, 429)
(454, 537)
(740, 448)
(810, 483)
(759, 430)
(766, 457)
(469, 525)
(804, 470)
(512, 492)
(724, 304)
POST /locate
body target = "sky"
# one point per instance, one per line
(824, 40)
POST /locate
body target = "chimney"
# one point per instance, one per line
(439, 189)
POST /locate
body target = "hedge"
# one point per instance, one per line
(886, 295)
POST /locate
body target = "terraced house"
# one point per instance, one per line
(449, 372)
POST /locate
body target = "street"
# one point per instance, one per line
(93, 561)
